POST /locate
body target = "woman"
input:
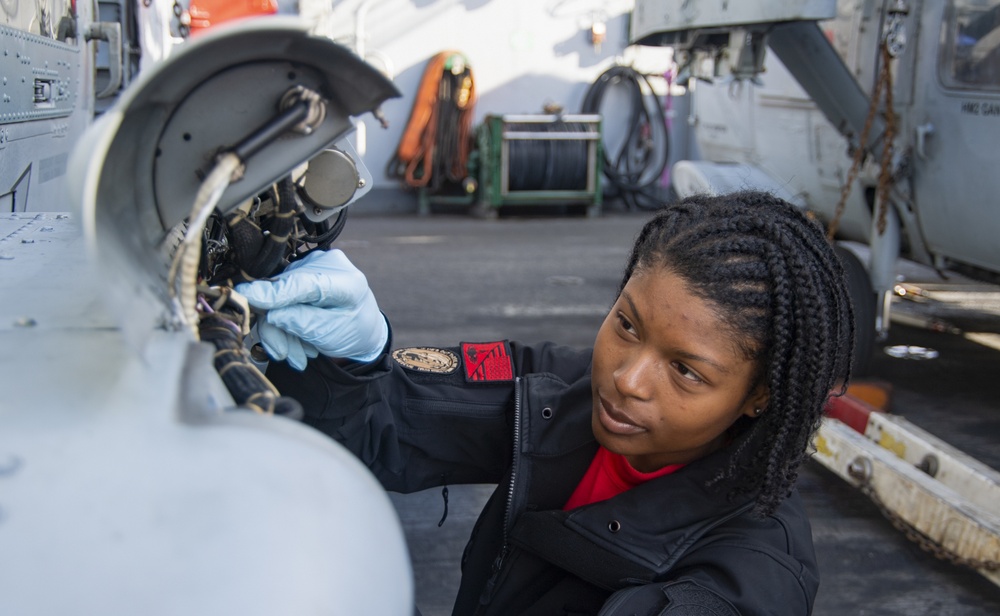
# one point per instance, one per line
(653, 474)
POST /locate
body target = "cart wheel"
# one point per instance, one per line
(483, 211)
(859, 286)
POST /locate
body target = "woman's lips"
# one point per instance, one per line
(616, 421)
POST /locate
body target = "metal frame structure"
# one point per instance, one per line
(941, 498)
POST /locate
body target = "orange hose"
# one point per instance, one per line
(417, 145)
(423, 108)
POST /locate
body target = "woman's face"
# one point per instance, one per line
(668, 378)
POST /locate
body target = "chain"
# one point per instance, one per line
(923, 541)
(884, 82)
(885, 173)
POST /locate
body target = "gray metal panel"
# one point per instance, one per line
(217, 89)
(219, 113)
(126, 487)
(653, 17)
(36, 136)
(954, 166)
(39, 77)
(815, 64)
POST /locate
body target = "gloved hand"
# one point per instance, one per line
(320, 304)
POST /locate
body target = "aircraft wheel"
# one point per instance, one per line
(859, 286)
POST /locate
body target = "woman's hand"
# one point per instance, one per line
(320, 304)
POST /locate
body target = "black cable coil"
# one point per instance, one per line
(547, 164)
(634, 171)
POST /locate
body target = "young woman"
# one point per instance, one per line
(653, 474)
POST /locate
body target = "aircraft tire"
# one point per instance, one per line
(859, 286)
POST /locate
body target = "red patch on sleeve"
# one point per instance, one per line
(487, 362)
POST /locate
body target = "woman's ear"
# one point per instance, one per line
(756, 404)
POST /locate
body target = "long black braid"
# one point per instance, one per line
(777, 283)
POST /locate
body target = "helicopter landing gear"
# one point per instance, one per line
(859, 286)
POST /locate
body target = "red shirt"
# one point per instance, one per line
(610, 474)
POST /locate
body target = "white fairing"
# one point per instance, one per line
(126, 488)
(129, 483)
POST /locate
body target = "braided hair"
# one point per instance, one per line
(776, 282)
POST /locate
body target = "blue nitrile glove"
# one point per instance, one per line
(320, 304)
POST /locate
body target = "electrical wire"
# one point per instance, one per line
(248, 386)
(259, 251)
(634, 171)
(188, 256)
(322, 234)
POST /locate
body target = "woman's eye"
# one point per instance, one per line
(625, 324)
(687, 373)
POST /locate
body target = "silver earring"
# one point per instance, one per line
(757, 412)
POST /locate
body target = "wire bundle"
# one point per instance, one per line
(634, 171)
(248, 386)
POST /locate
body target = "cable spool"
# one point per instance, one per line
(539, 159)
(548, 164)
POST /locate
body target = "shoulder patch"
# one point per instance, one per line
(426, 359)
(487, 362)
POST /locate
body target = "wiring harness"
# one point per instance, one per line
(256, 240)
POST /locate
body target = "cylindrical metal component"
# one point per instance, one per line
(330, 180)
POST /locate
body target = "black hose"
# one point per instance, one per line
(260, 253)
(634, 172)
(269, 260)
(323, 233)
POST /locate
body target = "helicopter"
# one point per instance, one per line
(879, 117)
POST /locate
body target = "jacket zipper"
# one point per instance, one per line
(508, 512)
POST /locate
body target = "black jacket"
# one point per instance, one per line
(670, 546)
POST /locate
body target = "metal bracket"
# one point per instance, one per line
(111, 32)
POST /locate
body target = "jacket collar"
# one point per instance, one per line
(638, 535)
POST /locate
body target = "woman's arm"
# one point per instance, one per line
(414, 430)
(415, 423)
(417, 427)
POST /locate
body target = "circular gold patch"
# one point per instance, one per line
(426, 359)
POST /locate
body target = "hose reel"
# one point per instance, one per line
(541, 159)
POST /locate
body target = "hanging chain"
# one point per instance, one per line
(884, 82)
(885, 173)
(924, 542)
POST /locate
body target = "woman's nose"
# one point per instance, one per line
(633, 375)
